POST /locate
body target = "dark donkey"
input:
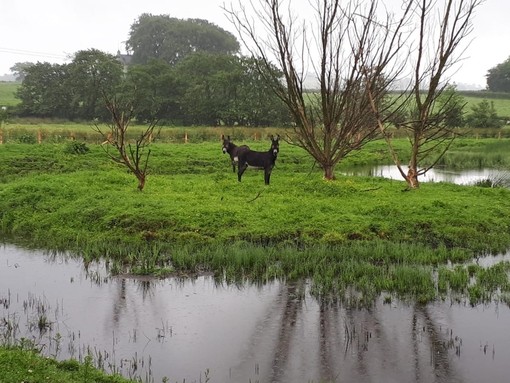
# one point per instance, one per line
(233, 150)
(261, 160)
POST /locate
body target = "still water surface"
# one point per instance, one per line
(461, 177)
(194, 330)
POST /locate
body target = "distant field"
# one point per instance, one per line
(501, 100)
(7, 90)
(502, 105)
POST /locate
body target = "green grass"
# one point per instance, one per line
(7, 91)
(501, 101)
(502, 106)
(192, 195)
(19, 364)
(195, 216)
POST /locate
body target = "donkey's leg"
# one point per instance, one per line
(267, 175)
(234, 166)
(241, 167)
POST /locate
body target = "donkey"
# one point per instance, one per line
(233, 150)
(260, 160)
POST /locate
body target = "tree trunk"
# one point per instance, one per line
(412, 178)
(141, 180)
(329, 172)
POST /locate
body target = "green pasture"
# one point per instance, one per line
(194, 216)
(502, 105)
(7, 92)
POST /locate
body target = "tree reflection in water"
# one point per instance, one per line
(275, 332)
(302, 339)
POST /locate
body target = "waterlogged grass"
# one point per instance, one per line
(194, 216)
(472, 153)
(22, 364)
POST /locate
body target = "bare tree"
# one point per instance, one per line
(132, 155)
(337, 46)
(424, 108)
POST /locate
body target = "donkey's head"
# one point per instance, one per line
(275, 145)
(226, 144)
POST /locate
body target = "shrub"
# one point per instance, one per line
(484, 116)
(74, 147)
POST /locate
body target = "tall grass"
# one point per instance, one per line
(477, 154)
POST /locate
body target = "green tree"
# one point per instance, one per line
(171, 39)
(209, 85)
(498, 78)
(253, 101)
(19, 70)
(450, 107)
(224, 89)
(90, 73)
(158, 91)
(484, 115)
(44, 93)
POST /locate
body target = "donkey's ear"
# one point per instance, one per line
(222, 137)
(272, 137)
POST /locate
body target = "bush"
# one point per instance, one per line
(27, 138)
(484, 116)
(74, 147)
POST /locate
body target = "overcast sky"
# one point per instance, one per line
(51, 30)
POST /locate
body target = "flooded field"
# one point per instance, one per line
(461, 177)
(197, 330)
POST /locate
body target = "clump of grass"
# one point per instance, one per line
(74, 147)
(27, 365)
(495, 180)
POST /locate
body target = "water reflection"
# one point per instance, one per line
(195, 330)
(460, 177)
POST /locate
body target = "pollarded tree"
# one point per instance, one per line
(425, 109)
(337, 44)
(171, 39)
(498, 78)
(133, 154)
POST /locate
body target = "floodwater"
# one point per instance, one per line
(197, 330)
(461, 177)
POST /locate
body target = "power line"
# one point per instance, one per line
(33, 53)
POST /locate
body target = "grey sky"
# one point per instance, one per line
(52, 30)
